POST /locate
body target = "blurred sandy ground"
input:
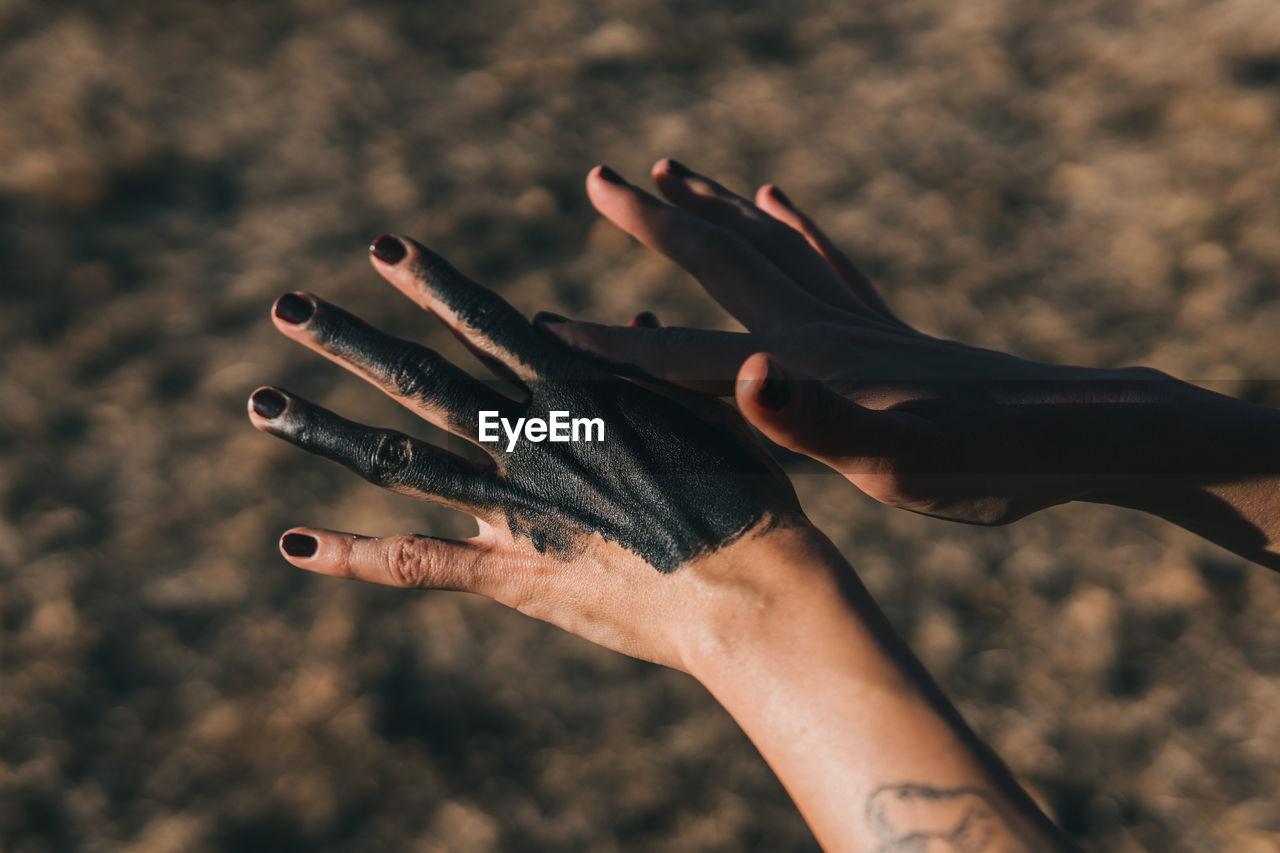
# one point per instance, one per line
(1092, 182)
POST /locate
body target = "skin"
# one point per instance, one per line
(679, 543)
(929, 425)
(919, 817)
(655, 487)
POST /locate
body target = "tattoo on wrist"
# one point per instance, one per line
(910, 818)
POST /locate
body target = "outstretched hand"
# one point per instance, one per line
(915, 421)
(579, 533)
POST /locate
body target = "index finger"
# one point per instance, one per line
(481, 319)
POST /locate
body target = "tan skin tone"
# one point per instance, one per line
(769, 617)
(929, 425)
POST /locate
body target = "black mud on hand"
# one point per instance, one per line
(665, 482)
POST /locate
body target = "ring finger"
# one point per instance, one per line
(384, 457)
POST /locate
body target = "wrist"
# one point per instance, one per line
(1128, 435)
(774, 603)
(1183, 441)
(1211, 464)
(837, 705)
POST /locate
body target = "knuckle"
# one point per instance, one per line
(476, 306)
(410, 562)
(389, 459)
(413, 371)
(483, 310)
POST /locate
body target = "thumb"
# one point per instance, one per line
(805, 416)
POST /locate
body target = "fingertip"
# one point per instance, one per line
(775, 193)
(324, 552)
(293, 309)
(762, 382)
(753, 368)
(602, 186)
(388, 250)
(673, 179)
(299, 544)
(607, 175)
(668, 168)
(775, 390)
(266, 404)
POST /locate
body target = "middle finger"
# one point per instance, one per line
(419, 378)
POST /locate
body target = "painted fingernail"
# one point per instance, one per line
(611, 176)
(268, 403)
(389, 249)
(680, 170)
(780, 196)
(299, 544)
(646, 320)
(775, 391)
(546, 318)
(294, 309)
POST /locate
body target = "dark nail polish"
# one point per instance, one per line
(781, 196)
(680, 170)
(268, 403)
(543, 318)
(389, 249)
(294, 309)
(646, 320)
(299, 544)
(611, 176)
(775, 391)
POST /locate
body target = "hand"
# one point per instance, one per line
(583, 534)
(926, 424)
(676, 539)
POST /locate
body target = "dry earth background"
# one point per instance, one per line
(1094, 182)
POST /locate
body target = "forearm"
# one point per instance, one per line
(869, 749)
(1212, 466)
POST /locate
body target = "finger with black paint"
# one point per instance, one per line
(480, 318)
(384, 457)
(419, 378)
